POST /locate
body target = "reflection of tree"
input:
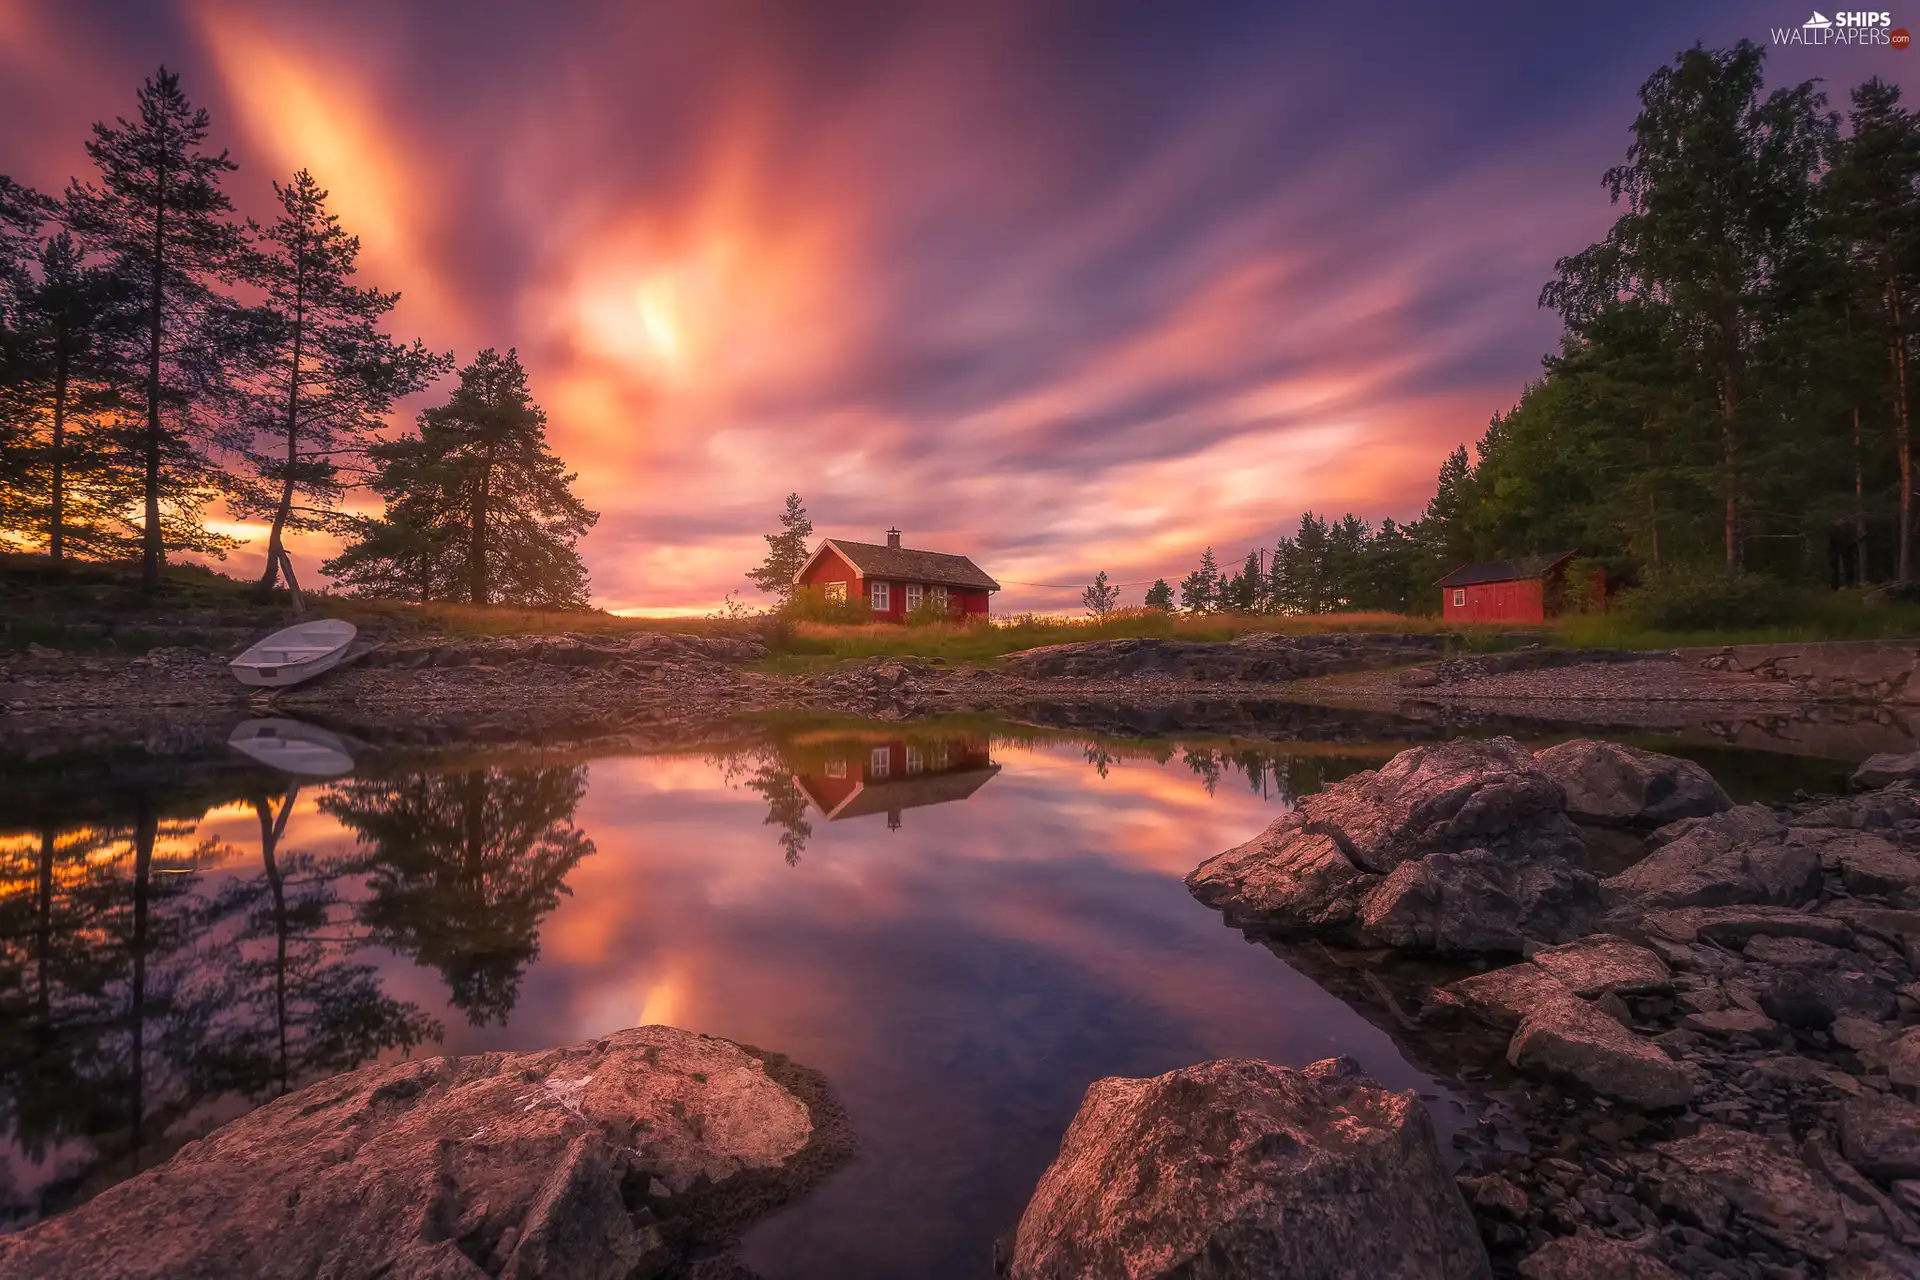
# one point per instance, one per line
(462, 868)
(786, 806)
(1205, 762)
(1101, 757)
(295, 1004)
(131, 979)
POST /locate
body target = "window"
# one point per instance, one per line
(836, 592)
(939, 597)
(882, 597)
(915, 594)
(914, 763)
(940, 757)
(1460, 598)
(880, 763)
(836, 768)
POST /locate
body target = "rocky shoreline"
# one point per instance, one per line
(1708, 1059)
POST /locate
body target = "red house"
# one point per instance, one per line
(867, 776)
(1503, 590)
(894, 580)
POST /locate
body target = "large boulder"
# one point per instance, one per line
(1569, 1039)
(1600, 963)
(1887, 768)
(1592, 1257)
(1464, 794)
(1239, 1168)
(1738, 857)
(603, 1161)
(1461, 846)
(1608, 784)
(1477, 900)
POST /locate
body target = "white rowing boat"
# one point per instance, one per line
(292, 747)
(300, 652)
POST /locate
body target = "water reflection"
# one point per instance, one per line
(962, 925)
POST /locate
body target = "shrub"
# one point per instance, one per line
(811, 604)
(1707, 602)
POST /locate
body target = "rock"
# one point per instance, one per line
(1477, 900)
(1727, 1022)
(1600, 963)
(1809, 998)
(1592, 1257)
(1493, 1194)
(1418, 678)
(1732, 926)
(1241, 1168)
(1737, 857)
(1285, 877)
(515, 1165)
(1788, 1202)
(1565, 1038)
(1608, 784)
(1798, 953)
(1463, 794)
(1868, 864)
(1899, 1058)
(1502, 997)
(1887, 768)
(1887, 924)
(1880, 1135)
(1858, 1033)
(1793, 1069)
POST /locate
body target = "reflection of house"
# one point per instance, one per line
(863, 776)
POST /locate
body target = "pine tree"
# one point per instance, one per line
(787, 551)
(160, 218)
(1873, 193)
(1159, 596)
(323, 374)
(69, 375)
(1099, 598)
(21, 212)
(1199, 589)
(478, 506)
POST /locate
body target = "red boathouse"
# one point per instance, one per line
(1503, 590)
(895, 580)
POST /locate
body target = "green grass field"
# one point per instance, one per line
(80, 605)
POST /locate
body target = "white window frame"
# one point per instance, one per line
(881, 594)
(836, 768)
(915, 762)
(915, 594)
(940, 757)
(1459, 597)
(939, 597)
(836, 592)
(880, 762)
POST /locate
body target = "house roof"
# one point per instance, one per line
(1469, 575)
(885, 795)
(936, 568)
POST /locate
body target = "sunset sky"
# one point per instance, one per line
(1062, 286)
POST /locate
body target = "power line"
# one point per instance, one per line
(1075, 586)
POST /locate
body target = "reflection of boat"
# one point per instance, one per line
(861, 777)
(292, 747)
(295, 653)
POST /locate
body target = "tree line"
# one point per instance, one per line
(1731, 398)
(159, 354)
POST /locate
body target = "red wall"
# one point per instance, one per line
(831, 568)
(1517, 601)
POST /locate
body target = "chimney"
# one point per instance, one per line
(893, 538)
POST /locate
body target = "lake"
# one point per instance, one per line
(961, 924)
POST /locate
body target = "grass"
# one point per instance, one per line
(1806, 616)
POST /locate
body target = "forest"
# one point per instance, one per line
(1728, 411)
(162, 357)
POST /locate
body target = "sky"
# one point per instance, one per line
(1061, 285)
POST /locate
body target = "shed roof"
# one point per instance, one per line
(906, 564)
(1469, 575)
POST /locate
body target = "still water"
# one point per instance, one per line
(960, 926)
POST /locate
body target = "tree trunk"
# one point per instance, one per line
(477, 534)
(43, 932)
(152, 553)
(1653, 529)
(57, 517)
(1859, 507)
(270, 832)
(1730, 459)
(285, 508)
